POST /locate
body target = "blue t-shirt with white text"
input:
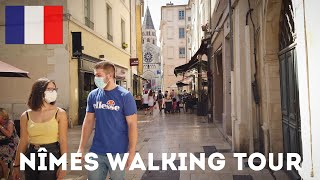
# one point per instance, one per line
(111, 129)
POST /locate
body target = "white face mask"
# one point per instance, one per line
(99, 81)
(50, 96)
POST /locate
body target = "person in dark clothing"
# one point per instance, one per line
(160, 100)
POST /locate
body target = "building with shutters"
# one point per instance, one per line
(173, 42)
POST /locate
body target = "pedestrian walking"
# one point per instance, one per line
(145, 102)
(160, 100)
(44, 125)
(8, 143)
(151, 101)
(113, 111)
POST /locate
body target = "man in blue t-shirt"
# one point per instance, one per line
(112, 109)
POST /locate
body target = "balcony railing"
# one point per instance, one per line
(89, 23)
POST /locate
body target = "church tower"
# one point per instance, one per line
(151, 54)
(148, 30)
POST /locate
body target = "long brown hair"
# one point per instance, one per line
(36, 96)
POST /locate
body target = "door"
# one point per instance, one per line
(291, 124)
(86, 85)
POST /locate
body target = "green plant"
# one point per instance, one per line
(124, 45)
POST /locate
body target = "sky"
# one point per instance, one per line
(155, 10)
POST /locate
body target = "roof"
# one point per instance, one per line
(147, 22)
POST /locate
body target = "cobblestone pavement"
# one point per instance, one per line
(174, 133)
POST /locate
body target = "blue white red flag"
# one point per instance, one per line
(34, 24)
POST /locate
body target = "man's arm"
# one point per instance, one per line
(87, 128)
(133, 136)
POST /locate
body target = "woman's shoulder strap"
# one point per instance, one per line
(27, 114)
(57, 112)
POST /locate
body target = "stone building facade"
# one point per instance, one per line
(173, 42)
(262, 72)
(103, 37)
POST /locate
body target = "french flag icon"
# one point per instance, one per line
(34, 24)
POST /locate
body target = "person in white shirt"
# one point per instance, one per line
(151, 101)
(145, 102)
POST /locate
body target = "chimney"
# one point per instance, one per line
(170, 4)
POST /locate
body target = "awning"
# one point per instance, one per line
(191, 65)
(181, 84)
(185, 81)
(202, 49)
(194, 60)
(137, 76)
(173, 86)
(7, 70)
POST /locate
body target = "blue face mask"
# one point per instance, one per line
(99, 81)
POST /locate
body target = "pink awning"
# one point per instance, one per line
(7, 70)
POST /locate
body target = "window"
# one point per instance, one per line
(170, 52)
(181, 15)
(153, 33)
(123, 34)
(109, 23)
(123, 31)
(87, 14)
(87, 9)
(181, 32)
(189, 18)
(170, 32)
(153, 42)
(182, 52)
(148, 40)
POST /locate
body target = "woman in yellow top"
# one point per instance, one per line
(43, 125)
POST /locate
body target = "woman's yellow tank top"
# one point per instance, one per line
(43, 133)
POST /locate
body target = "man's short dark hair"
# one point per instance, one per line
(108, 67)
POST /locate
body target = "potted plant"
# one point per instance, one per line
(124, 45)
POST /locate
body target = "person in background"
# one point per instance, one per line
(44, 125)
(151, 101)
(145, 102)
(168, 103)
(160, 100)
(174, 105)
(166, 93)
(172, 94)
(8, 143)
(114, 123)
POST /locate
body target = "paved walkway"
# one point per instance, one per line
(174, 133)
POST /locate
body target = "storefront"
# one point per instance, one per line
(121, 76)
(86, 82)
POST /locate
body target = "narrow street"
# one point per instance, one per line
(174, 133)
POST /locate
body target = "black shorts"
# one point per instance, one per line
(145, 106)
(30, 174)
